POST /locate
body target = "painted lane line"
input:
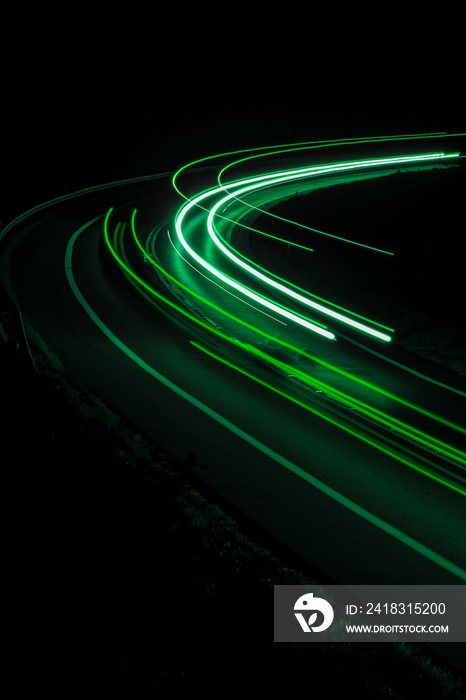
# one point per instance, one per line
(287, 464)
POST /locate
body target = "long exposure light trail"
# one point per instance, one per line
(260, 332)
(277, 320)
(259, 210)
(248, 185)
(341, 425)
(236, 285)
(397, 437)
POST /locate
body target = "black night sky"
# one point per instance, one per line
(117, 101)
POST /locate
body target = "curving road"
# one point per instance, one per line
(310, 418)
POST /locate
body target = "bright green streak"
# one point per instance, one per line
(290, 284)
(282, 311)
(309, 228)
(286, 148)
(299, 289)
(408, 431)
(372, 413)
(275, 238)
(307, 145)
(284, 344)
(286, 290)
(311, 145)
(301, 147)
(249, 185)
(334, 422)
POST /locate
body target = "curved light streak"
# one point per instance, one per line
(311, 381)
(321, 144)
(248, 185)
(302, 226)
(278, 285)
(373, 442)
(236, 285)
(308, 294)
(418, 438)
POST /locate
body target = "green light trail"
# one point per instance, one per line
(248, 185)
(218, 196)
(372, 413)
(361, 436)
(324, 144)
(267, 151)
(278, 285)
(272, 306)
(293, 348)
(293, 149)
(294, 223)
(279, 279)
(287, 346)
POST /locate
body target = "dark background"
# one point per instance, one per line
(88, 100)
